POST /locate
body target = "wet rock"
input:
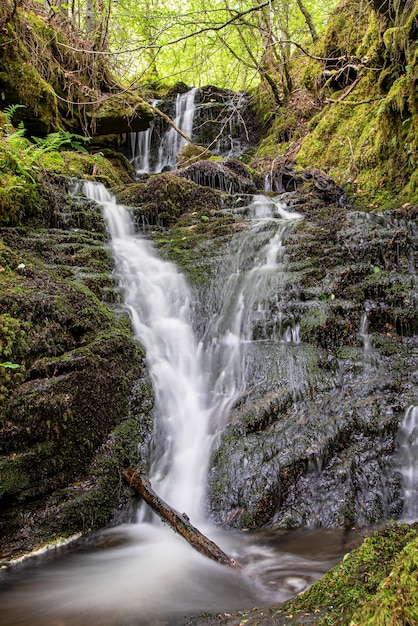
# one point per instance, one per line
(225, 176)
(313, 440)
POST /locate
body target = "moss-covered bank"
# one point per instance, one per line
(354, 112)
(62, 83)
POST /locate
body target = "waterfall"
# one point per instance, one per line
(194, 383)
(252, 289)
(408, 458)
(140, 147)
(144, 573)
(171, 141)
(160, 305)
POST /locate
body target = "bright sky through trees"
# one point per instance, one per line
(230, 43)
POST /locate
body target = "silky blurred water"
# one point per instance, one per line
(144, 575)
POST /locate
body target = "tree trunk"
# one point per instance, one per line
(179, 523)
(308, 20)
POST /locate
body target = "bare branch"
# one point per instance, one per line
(170, 121)
(206, 29)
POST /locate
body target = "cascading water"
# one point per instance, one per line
(194, 383)
(217, 125)
(160, 305)
(140, 147)
(254, 279)
(408, 459)
(171, 141)
(147, 570)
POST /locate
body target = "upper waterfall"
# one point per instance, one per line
(169, 144)
(219, 120)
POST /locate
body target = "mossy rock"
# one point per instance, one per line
(368, 139)
(120, 113)
(22, 83)
(230, 176)
(65, 411)
(58, 86)
(163, 198)
(191, 153)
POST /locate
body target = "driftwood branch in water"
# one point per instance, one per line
(179, 523)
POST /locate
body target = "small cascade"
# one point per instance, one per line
(172, 141)
(253, 282)
(143, 158)
(140, 148)
(369, 357)
(408, 459)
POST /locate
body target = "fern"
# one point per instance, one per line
(55, 141)
(10, 110)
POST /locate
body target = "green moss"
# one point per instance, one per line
(343, 35)
(88, 166)
(371, 146)
(395, 602)
(12, 478)
(163, 198)
(191, 153)
(381, 570)
(24, 81)
(313, 319)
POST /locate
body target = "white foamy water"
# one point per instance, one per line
(160, 305)
(256, 273)
(171, 141)
(408, 458)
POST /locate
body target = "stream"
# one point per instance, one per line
(141, 573)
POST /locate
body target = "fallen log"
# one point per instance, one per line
(179, 523)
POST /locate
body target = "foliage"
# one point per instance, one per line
(367, 135)
(55, 141)
(10, 365)
(204, 43)
(197, 42)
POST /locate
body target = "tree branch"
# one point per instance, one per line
(179, 523)
(206, 29)
(170, 121)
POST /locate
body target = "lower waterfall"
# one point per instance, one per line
(194, 382)
(141, 572)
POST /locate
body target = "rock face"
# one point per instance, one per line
(313, 443)
(72, 413)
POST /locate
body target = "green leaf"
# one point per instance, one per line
(12, 366)
(376, 270)
(204, 218)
